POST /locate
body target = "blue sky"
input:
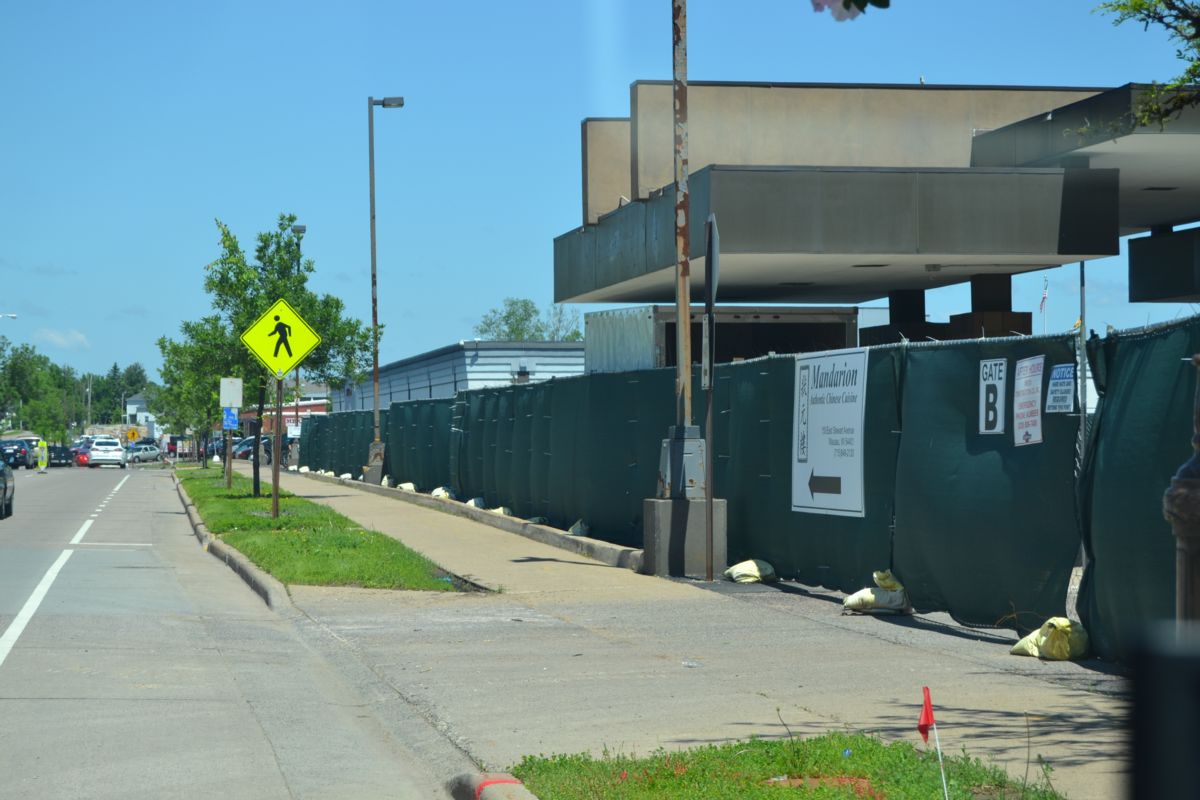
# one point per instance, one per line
(128, 127)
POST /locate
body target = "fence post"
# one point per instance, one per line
(1181, 507)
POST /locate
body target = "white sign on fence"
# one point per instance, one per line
(993, 374)
(827, 450)
(1060, 396)
(1027, 401)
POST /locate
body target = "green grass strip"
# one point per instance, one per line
(309, 543)
(835, 765)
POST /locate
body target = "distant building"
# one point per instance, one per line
(313, 400)
(467, 365)
(137, 413)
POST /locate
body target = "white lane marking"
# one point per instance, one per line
(31, 605)
(119, 485)
(82, 530)
(93, 516)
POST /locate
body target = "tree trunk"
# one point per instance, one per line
(258, 426)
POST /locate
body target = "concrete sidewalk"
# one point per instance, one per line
(569, 654)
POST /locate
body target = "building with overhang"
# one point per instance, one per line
(830, 193)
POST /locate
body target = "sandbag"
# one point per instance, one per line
(887, 595)
(1059, 639)
(752, 571)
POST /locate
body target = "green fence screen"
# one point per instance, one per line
(1140, 436)
(985, 529)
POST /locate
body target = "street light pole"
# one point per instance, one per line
(376, 452)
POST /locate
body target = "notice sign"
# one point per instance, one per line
(1060, 397)
(992, 376)
(1027, 401)
(827, 451)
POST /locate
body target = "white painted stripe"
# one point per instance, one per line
(119, 485)
(82, 530)
(31, 605)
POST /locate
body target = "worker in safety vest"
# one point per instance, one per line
(43, 455)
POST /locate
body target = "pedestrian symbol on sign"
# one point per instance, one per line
(282, 330)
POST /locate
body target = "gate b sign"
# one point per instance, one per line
(992, 376)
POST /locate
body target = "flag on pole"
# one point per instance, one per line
(1045, 290)
(926, 721)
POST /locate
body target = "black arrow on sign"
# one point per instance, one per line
(824, 484)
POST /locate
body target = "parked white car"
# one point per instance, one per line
(106, 450)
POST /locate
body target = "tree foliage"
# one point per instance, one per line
(52, 399)
(1181, 20)
(241, 290)
(518, 320)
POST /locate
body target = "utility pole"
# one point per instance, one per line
(683, 290)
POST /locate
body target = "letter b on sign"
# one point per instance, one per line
(992, 377)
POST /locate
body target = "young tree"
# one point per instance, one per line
(189, 397)
(242, 291)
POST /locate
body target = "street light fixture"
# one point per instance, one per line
(10, 316)
(376, 452)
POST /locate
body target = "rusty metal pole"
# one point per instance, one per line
(1181, 507)
(683, 291)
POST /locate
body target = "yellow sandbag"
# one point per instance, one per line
(1059, 639)
(884, 579)
(871, 599)
(752, 571)
(889, 596)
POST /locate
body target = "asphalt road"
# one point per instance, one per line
(133, 664)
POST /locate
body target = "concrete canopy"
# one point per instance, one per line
(1160, 167)
(980, 181)
(823, 234)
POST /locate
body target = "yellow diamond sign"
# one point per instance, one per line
(280, 339)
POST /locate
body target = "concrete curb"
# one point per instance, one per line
(613, 555)
(465, 786)
(273, 593)
(487, 786)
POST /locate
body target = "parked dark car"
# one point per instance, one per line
(16, 454)
(8, 490)
(60, 456)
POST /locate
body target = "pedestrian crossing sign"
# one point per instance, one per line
(280, 339)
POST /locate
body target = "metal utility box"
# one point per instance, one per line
(626, 339)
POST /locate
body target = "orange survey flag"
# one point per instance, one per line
(926, 721)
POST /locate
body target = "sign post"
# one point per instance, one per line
(712, 268)
(230, 423)
(280, 339)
